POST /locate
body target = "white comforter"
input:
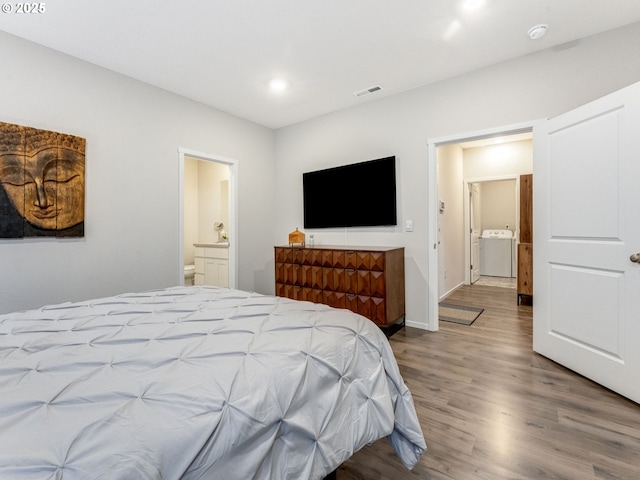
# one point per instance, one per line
(196, 383)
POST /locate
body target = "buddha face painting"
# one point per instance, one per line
(42, 175)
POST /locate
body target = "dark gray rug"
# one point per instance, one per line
(458, 313)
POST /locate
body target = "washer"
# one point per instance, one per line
(496, 253)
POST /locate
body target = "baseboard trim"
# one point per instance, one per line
(450, 292)
(421, 326)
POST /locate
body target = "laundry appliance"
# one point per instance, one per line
(497, 253)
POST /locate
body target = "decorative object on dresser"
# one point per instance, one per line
(366, 280)
(296, 237)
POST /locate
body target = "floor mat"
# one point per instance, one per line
(458, 313)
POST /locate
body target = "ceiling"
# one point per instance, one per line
(224, 53)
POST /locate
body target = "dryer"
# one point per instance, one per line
(496, 252)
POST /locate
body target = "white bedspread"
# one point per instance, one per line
(196, 383)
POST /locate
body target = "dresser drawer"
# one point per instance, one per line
(369, 281)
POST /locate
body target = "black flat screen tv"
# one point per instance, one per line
(356, 195)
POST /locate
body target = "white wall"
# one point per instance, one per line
(491, 161)
(133, 132)
(213, 181)
(451, 247)
(526, 89)
(499, 201)
(499, 205)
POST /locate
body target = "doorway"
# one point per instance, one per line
(207, 210)
(451, 238)
(492, 211)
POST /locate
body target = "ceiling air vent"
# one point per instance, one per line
(367, 91)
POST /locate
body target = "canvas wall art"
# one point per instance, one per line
(42, 183)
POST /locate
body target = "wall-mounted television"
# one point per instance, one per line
(355, 195)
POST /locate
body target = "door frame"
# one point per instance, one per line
(433, 323)
(474, 205)
(233, 211)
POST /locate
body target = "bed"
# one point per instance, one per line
(196, 383)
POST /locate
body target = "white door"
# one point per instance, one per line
(474, 209)
(586, 227)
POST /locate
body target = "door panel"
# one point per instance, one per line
(572, 307)
(587, 224)
(589, 159)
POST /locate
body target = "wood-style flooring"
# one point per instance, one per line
(492, 409)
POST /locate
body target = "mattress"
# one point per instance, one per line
(196, 383)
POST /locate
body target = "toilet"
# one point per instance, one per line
(189, 274)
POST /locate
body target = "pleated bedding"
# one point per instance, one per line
(196, 383)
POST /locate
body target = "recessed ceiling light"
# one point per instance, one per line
(278, 85)
(470, 5)
(538, 31)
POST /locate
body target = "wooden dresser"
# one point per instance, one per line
(366, 280)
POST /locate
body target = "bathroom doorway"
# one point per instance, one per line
(208, 218)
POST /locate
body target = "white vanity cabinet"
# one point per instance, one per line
(212, 264)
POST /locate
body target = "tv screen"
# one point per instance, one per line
(356, 195)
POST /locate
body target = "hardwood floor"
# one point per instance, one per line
(491, 408)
